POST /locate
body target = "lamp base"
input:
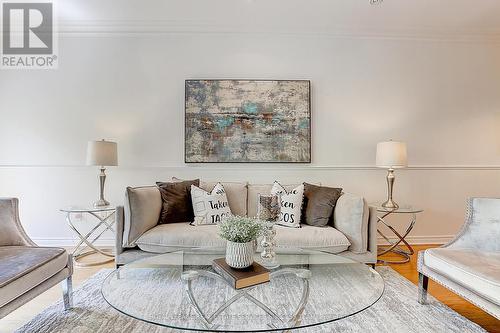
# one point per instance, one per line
(390, 204)
(101, 203)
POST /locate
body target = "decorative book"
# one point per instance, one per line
(241, 278)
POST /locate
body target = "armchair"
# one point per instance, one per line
(469, 265)
(27, 270)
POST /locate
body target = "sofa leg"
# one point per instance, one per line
(423, 283)
(67, 286)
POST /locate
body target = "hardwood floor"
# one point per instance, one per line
(409, 270)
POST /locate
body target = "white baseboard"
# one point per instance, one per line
(418, 240)
(415, 240)
(69, 242)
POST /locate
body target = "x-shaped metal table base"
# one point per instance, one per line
(86, 245)
(394, 246)
(208, 320)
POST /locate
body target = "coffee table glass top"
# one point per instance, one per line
(180, 290)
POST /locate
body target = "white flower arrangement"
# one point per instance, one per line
(240, 229)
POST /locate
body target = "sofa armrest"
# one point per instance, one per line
(120, 221)
(351, 218)
(140, 213)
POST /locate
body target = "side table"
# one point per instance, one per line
(104, 218)
(395, 246)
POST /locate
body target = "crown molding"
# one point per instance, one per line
(131, 28)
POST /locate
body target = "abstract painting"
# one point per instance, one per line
(244, 121)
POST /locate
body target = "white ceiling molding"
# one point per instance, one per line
(456, 20)
(137, 27)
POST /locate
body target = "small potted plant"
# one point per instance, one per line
(241, 234)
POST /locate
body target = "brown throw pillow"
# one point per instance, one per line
(319, 203)
(176, 201)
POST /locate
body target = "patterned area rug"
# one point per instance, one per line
(396, 311)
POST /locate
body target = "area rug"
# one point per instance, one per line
(396, 311)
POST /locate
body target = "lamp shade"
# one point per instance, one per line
(391, 155)
(102, 153)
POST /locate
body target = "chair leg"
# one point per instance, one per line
(423, 283)
(67, 286)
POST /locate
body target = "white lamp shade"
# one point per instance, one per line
(102, 153)
(391, 154)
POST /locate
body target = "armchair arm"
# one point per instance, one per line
(11, 230)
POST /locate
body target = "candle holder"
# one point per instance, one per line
(268, 212)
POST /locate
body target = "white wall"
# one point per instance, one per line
(440, 96)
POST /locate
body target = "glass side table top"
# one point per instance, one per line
(87, 209)
(180, 290)
(403, 209)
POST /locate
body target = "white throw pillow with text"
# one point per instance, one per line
(209, 208)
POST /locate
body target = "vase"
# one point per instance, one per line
(240, 255)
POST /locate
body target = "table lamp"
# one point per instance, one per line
(102, 153)
(391, 155)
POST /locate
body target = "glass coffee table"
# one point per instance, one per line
(181, 291)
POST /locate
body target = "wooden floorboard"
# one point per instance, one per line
(409, 270)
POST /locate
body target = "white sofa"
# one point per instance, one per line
(139, 235)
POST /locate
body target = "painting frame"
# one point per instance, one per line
(309, 123)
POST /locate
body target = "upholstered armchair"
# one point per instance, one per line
(470, 264)
(27, 270)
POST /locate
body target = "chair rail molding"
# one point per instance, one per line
(264, 166)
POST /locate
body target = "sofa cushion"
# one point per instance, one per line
(253, 195)
(23, 268)
(209, 207)
(176, 201)
(351, 218)
(475, 270)
(142, 210)
(312, 238)
(236, 195)
(319, 204)
(290, 204)
(169, 237)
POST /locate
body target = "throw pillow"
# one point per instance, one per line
(290, 204)
(176, 201)
(268, 207)
(319, 204)
(209, 208)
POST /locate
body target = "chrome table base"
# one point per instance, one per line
(394, 246)
(85, 246)
(208, 320)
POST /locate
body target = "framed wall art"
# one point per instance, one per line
(247, 121)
